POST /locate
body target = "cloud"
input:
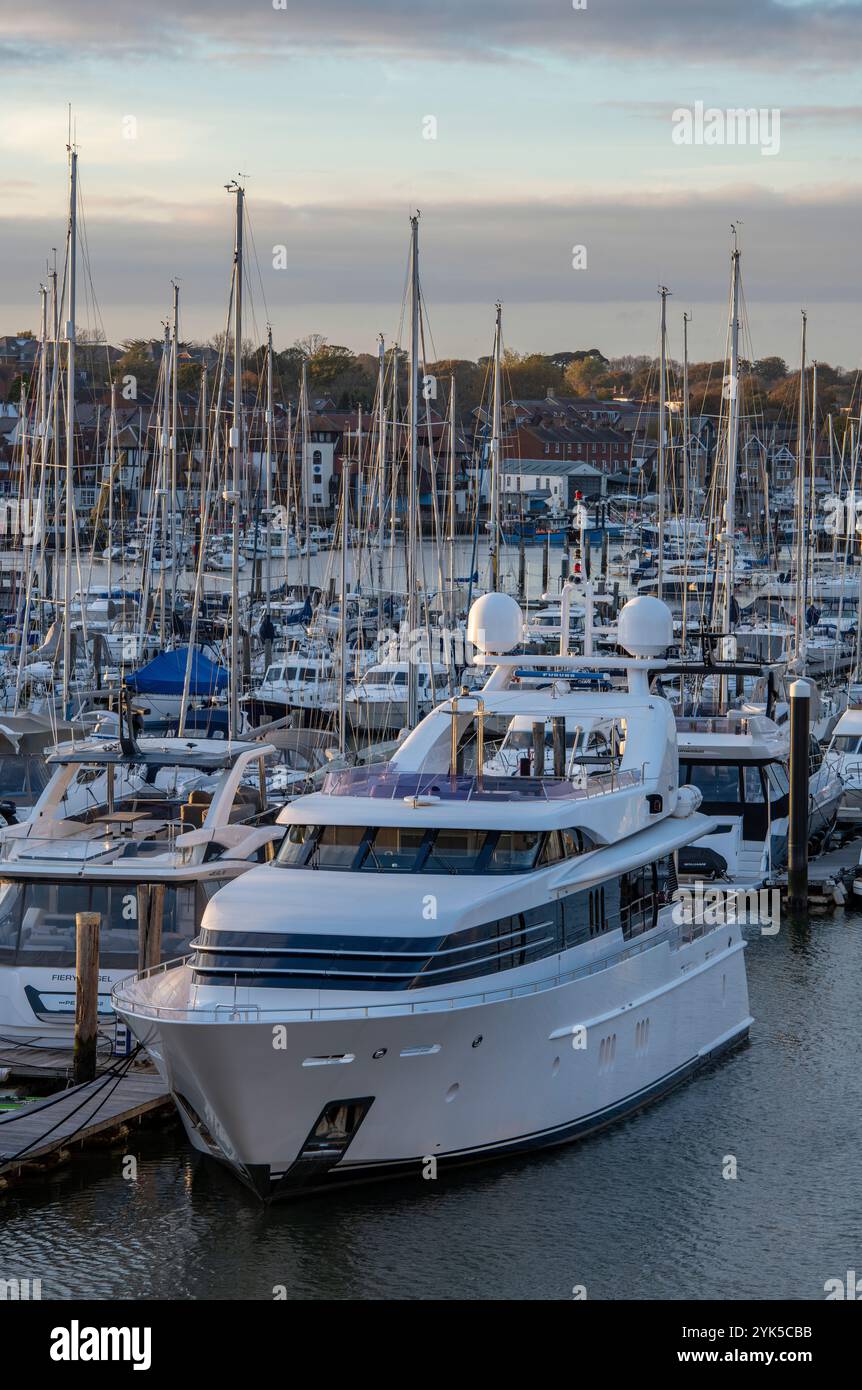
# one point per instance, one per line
(471, 253)
(764, 33)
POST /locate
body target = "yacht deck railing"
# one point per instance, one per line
(236, 1011)
(383, 784)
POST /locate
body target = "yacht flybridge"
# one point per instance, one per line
(117, 819)
(520, 979)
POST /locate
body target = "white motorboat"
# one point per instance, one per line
(117, 819)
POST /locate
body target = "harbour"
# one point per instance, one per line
(430, 676)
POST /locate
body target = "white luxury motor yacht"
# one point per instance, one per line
(186, 814)
(445, 965)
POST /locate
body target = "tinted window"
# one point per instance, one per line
(717, 782)
(395, 849)
(514, 850)
(753, 784)
(455, 851)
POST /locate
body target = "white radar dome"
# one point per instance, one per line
(645, 627)
(495, 624)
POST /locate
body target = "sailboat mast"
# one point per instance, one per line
(381, 453)
(412, 463)
(163, 481)
(236, 451)
(70, 423)
(451, 604)
(496, 432)
(55, 427)
(801, 526)
(686, 503)
(342, 628)
(662, 461)
(306, 475)
(112, 455)
(811, 531)
(268, 470)
(732, 438)
(175, 348)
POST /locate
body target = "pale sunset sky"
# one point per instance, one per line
(553, 130)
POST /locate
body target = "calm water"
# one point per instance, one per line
(641, 1211)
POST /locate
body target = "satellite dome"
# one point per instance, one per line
(495, 624)
(645, 627)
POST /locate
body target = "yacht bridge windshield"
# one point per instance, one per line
(757, 791)
(409, 849)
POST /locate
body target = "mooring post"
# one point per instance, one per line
(150, 947)
(538, 747)
(797, 840)
(143, 912)
(559, 729)
(86, 996)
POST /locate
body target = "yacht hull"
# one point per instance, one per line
(299, 1103)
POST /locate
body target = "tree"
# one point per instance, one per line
(589, 376)
(137, 361)
(530, 375)
(770, 368)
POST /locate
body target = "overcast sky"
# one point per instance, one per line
(554, 129)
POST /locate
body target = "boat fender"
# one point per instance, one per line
(688, 801)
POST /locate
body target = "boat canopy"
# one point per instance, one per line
(166, 674)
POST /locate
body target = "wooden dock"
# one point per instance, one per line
(830, 875)
(44, 1132)
(46, 1062)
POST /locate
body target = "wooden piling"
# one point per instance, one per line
(538, 747)
(86, 995)
(152, 899)
(798, 829)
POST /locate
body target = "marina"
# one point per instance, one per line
(430, 674)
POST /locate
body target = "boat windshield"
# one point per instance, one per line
(385, 678)
(414, 849)
(847, 743)
(725, 783)
(21, 775)
(37, 921)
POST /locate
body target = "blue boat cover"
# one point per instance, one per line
(166, 673)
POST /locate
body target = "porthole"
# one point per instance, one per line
(477, 1042)
(381, 1052)
(452, 1091)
